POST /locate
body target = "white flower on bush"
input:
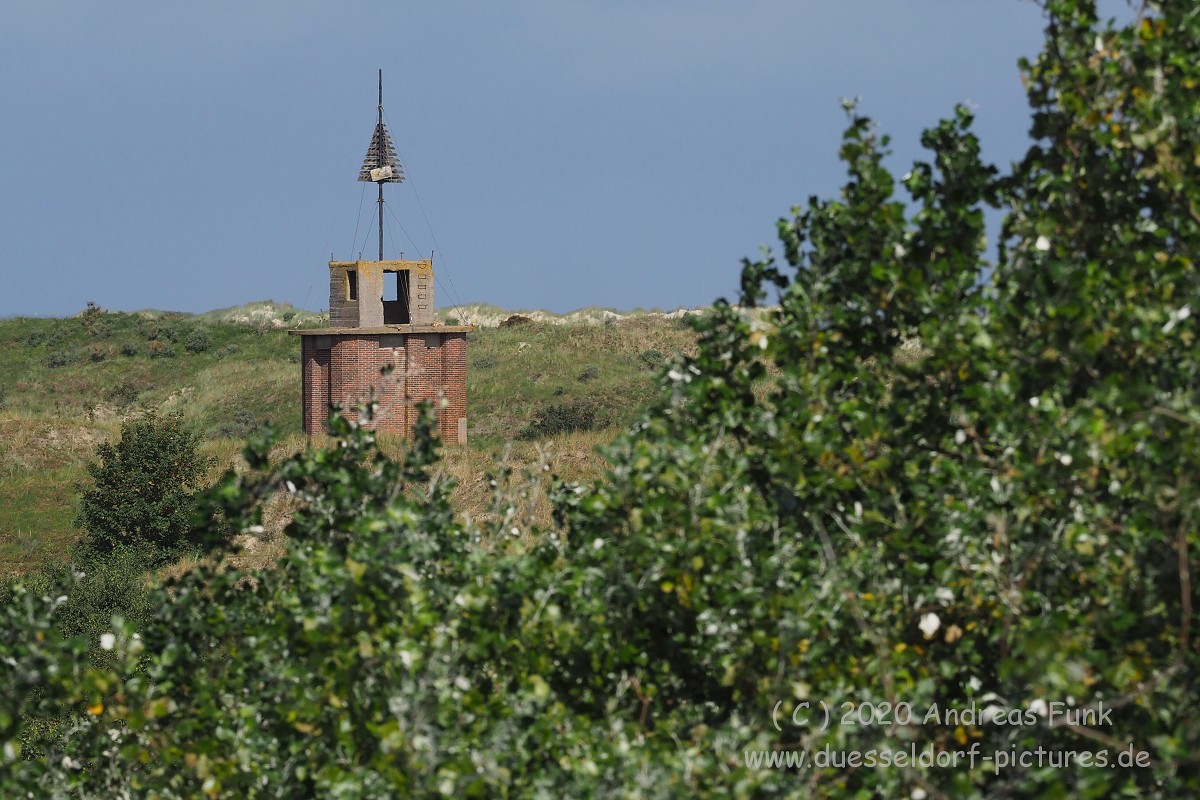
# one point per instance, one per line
(1042, 244)
(107, 641)
(1039, 707)
(1177, 316)
(929, 624)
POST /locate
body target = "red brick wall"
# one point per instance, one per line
(424, 366)
(315, 368)
(454, 380)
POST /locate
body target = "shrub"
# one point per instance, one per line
(93, 321)
(158, 349)
(58, 359)
(101, 586)
(228, 350)
(59, 334)
(559, 418)
(198, 341)
(485, 361)
(124, 394)
(172, 330)
(129, 349)
(143, 487)
(652, 359)
(97, 353)
(590, 374)
(514, 320)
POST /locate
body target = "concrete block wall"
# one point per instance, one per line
(367, 310)
(421, 291)
(370, 290)
(343, 312)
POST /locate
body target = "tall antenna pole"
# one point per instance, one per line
(379, 126)
(381, 164)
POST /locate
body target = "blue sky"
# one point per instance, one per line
(564, 152)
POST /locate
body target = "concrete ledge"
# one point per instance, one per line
(384, 330)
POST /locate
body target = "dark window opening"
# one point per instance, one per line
(395, 298)
(351, 284)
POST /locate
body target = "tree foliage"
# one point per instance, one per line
(143, 487)
(908, 486)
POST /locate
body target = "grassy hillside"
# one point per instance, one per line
(65, 385)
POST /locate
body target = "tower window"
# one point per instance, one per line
(351, 284)
(395, 297)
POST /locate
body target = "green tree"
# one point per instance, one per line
(143, 489)
(912, 487)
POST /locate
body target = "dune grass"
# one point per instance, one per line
(66, 384)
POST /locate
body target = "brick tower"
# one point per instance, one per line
(381, 316)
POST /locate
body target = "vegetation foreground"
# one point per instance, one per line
(945, 553)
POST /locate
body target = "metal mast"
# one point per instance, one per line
(379, 127)
(381, 164)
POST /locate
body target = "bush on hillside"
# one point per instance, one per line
(159, 349)
(652, 359)
(198, 341)
(125, 393)
(58, 358)
(143, 488)
(94, 323)
(559, 418)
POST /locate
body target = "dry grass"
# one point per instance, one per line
(41, 460)
(492, 485)
(56, 416)
(30, 444)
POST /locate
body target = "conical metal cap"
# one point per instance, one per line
(381, 164)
